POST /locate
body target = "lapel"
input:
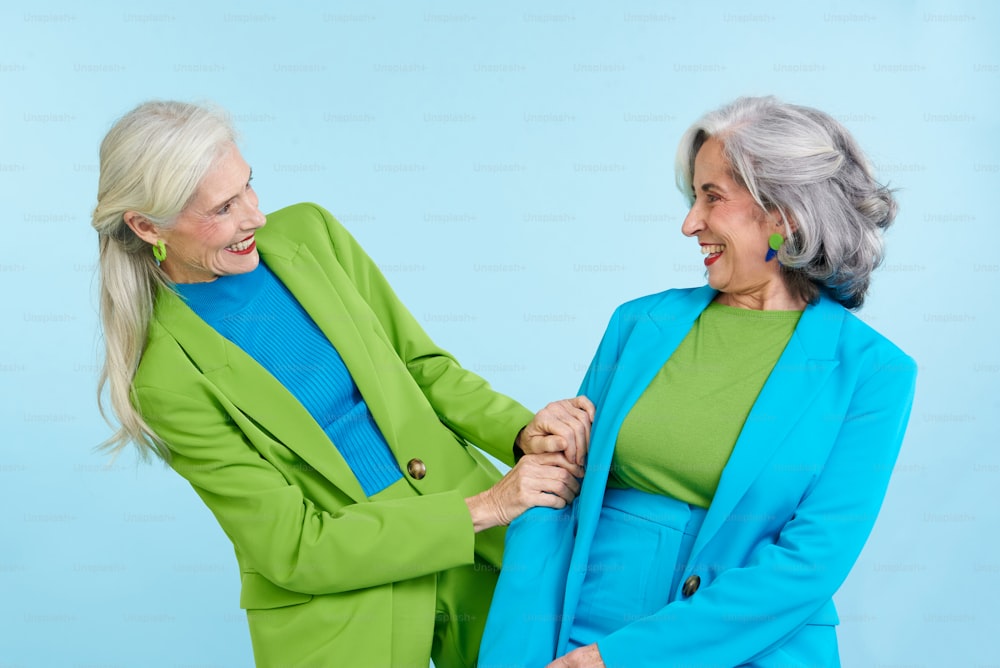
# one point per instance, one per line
(796, 379)
(797, 376)
(652, 341)
(324, 291)
(254, 391)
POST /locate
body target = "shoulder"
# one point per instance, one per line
(179, 347)
(861, 346)
(663, 305)
(303, 223)
(164, 364)
(860, 338)
(307, 225)
(303, 212)
(664, 300)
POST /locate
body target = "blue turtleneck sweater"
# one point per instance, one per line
(258, 313)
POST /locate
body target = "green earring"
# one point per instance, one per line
(774, 242)
(160, 250)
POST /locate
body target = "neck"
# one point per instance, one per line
(775, 300)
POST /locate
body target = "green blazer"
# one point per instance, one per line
(329, 576)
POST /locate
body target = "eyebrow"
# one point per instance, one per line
(705, 187)
(230, 199)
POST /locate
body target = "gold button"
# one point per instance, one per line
(691, 585)
(416, 469)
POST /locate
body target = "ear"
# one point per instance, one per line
(142, 226)
(775, 216)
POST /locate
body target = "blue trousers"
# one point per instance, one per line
(640, 549)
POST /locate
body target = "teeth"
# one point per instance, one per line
(241, 246)
(708, 249)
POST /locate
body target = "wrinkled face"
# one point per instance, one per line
(731, 228)
(214, 234)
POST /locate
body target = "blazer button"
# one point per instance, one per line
(691, 585)
(416, 469)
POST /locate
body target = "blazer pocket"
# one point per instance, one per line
(259, 593)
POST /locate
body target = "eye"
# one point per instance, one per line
(225, 209)
(709, 197)
(250, 181)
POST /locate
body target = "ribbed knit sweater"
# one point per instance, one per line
(257, 312)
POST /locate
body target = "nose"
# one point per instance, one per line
(693, 222)
(255, 217)
(258, 217)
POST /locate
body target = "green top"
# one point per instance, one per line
(679, 434)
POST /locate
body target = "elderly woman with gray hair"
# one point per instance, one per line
(745, 430)
(273, 368)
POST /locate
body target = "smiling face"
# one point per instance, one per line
(214, 234)
(733, 232)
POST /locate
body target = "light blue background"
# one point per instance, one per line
(510, 166)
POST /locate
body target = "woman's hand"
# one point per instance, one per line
(588, 656)
(536, 480)
(562, 426)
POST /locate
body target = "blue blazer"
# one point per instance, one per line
(793, 509)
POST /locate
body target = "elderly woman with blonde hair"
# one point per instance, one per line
(745, 429)
(269, 362)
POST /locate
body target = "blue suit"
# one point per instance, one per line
(793, 509)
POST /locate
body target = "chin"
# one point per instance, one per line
(243, 266)
(715, 283)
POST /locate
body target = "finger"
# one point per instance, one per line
(555, 459)
(556, 413)
(561, 662)
(562, 419)
(539, 443)
(585, 404)
(581, 435)
(570, 431)
(536, 480)
(551, 480)
(548, 501)
(566, 427)
(569, 489)
(563, 490)
(554, 481)
(576, 414)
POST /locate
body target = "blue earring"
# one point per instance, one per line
(774, 242)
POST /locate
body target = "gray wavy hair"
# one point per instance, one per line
(804, 164)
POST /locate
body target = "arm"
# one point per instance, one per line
(463, 400)
(285, 536)
(785, 583)
(280, 532)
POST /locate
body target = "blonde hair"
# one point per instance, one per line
(151, 162)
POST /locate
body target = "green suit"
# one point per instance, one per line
(329, 576)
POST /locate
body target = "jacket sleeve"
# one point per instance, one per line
(282, 534)
(748, 611)
(523, 625)
(464, 401)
